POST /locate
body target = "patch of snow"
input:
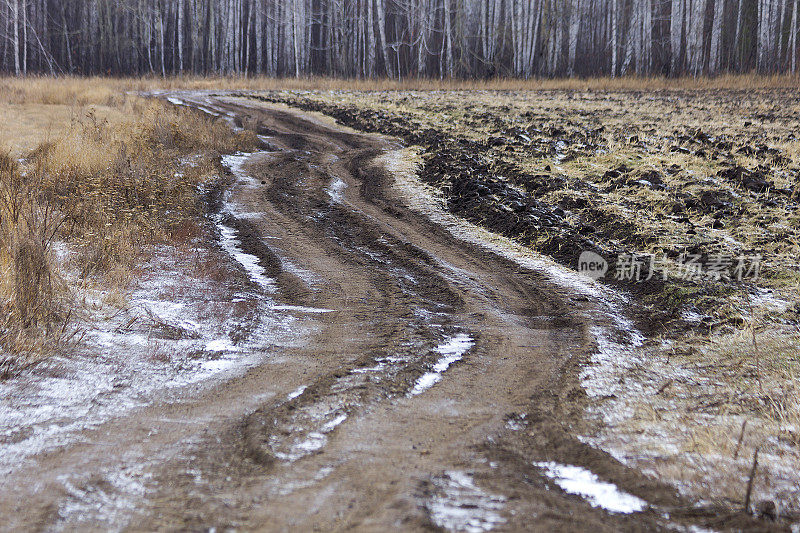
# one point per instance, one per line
(331, 425)
(767, 299)
(231, 244)
(110, 500)
(146, 352)
(221, 345)
(175, 101)
(308, 277)
(380, 367)
(219, 365)
(692, 317)
(208, 111)
(451, 350)
(336, 189)
(236, 164)
(301, 309)
(584, 483)
(516, 423)
(296, 393)
(313, 442)
(600, 376)
(460, 505)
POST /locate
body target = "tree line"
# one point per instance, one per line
(398, 38)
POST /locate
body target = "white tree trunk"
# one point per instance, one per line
(15, 23)
(370, 45)
(793, 46)
(738, 31)
(448, 30)
(163, 53)
(259, 23)
(676, 32)
(387, 61)
(296, 38)
(614, 37)
(696, 24)
(574, 28)
(180, 36)
(716, 37)
(25, 37)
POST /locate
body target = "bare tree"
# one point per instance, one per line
(716, 36)
(446, 38)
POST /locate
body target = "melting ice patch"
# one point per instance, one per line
(600, 378)
(577, 480)
(313, 441)
(221, 345)
(459, 505)
(301, 309)
(232, 245)
(451, 350)
(236, 163)
(331, 425)
(296, 393)
(336, 189)
(208, 111)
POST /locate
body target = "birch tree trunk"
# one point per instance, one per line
(614, 37)
(180, 36)
(782, 10)
(696, 22)
(24, 37)
(387, 60)
(370, 45)
(574, 28)
(448, 30)
(738, 31)
(15, 24)
(349, 38)
(163, 46)
(793, 37)
(716, 37)
(295, 39)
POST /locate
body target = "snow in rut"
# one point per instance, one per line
(460, 505)
(451, 350)
(584, 483)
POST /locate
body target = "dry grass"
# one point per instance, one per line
(111, 92)
(31, 291)
(102, 171)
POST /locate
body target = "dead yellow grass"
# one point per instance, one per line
(71, 91)
(105, 172)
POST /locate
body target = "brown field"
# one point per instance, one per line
(665, 173)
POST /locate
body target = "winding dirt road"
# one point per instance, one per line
(435, 375)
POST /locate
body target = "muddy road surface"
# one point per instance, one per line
(435, 383)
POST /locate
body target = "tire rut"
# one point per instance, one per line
(337, 440)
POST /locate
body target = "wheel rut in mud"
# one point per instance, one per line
(435, 379)
(358, 447)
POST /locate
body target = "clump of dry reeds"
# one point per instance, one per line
(31, 292)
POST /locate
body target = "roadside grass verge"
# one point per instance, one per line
(123, 175)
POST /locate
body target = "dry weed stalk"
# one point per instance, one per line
(30, 288)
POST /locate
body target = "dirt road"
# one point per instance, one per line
(433, 381)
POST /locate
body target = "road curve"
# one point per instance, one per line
(436, 375)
